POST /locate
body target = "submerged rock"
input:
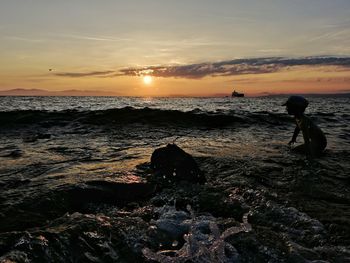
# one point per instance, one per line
(171, 163)
(220, 203)
(77, 238)
(35, 210)
(109, 192)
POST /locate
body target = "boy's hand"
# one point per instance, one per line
(291, 142)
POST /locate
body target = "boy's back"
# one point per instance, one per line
(312, 134)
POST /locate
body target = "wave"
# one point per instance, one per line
(147, 116)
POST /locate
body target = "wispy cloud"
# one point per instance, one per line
(214, 69)
(85, 74)
(67, 36)
(338, 24)
(332, 35)
(246, 18)
(272, 50)
(93, 38)
(188, 43)
(234, 67)
(197, 71)
(338, 30)
(24, 39)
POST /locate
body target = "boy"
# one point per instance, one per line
(314, 139)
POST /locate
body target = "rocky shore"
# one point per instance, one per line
(76, 191)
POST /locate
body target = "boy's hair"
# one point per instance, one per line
(296, 104)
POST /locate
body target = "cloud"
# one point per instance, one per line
(85, 74)
(93, 38)
(197, 71)
(24, 39)
(224, 68)
(333, 35)
(234, 67)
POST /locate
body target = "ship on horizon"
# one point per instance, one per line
(237, 94)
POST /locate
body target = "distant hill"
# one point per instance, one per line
(41, 92)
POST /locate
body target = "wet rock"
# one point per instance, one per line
(168, 230)
(14, 257)
(171, 163)
(298, 226)
(110, 192)
(298, 252)
(77, 238)
(37, 209)
(221, 204)
(253, 248)
(201, 241)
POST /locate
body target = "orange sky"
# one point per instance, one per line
(191, 48)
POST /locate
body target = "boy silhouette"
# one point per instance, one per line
(314, 139)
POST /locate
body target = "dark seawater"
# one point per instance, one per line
(325, 105)
(274, 205)
(332, 114)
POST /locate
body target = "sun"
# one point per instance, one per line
(147, 79)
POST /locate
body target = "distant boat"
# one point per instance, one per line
(237, 94)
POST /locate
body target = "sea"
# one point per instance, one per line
(318, 105)
(331, 113)
(67, 165)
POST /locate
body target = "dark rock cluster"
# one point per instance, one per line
(171, 164)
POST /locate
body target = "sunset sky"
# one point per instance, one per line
(187, 47)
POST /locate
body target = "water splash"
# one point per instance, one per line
(203, 242)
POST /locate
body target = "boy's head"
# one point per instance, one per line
(296, 105)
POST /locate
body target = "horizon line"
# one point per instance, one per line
(36, 93)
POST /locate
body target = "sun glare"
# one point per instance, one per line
(147, 80)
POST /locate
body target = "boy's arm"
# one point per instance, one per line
(295, 135)
(306, 136)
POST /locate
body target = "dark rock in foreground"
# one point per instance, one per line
(109, 192)
(70, 198)
(171, 163)
(77, 238)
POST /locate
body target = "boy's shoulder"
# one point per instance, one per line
(303, 121)
(306, 118)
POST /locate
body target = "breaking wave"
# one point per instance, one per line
(147, 116)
